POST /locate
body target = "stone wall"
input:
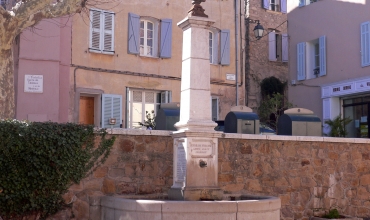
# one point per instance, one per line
(309, 174)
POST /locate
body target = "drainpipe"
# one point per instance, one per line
(236, 49)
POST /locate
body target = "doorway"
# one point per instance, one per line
(86, 113)
(357, 109)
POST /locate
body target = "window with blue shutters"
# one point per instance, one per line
(148, 36)
(101, 31)
(275, 5)
(311, 59)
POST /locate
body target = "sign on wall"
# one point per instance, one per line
(33, 83)
(230, 76)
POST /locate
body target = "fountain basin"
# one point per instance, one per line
(247, 208)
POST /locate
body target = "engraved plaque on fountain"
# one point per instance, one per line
(202, 148)
(181, 162)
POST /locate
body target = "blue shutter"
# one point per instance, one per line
(301, 3)
(266, 4)
(301, 61)
(225, 47)
(365, 44)
(322, 55)
(108, 32)
(283, 6)
(284, 47)
(166, 38)
(111, 108)
(133, 33)
(95, 30)
(272, 46)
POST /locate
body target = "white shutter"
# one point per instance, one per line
(284, 47)
(322, 55)
(301, 61)
(166, 38)
(166, 97)
(365, 44)
(283, 6)
(95, 30)
(266, 4)
(272, 46)
(108, 32)
(111, 108)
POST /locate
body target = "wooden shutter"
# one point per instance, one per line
(301, 61)
(95, 30)
(283, 6)
(266, 4)
(108, 34)
(166, 38)
(111, 108)
(365, 44)
(272, 46)
(225, 47)
(284, 47)
(133, 33)
(322, 55)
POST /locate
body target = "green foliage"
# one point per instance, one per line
(271, 86)
(273, 106)
(39, 161)
(333, 213)
(338, 126)
(149, 123)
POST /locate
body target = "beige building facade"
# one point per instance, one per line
(329, 60)
(126, 60)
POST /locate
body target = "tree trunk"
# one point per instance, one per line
(7, 105)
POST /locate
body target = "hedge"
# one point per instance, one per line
(39, 162)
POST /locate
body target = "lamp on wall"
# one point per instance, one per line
(258, 29)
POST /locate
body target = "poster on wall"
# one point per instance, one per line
(34, 83)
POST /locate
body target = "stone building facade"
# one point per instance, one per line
(267, 56)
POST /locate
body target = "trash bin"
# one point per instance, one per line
(242, 120)
(299, 122)
(167, 116)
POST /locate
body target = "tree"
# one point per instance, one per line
(25, 14)
(338, 126)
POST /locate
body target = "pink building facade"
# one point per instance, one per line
(42, 62)
(329, 60)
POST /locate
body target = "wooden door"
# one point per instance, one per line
(86, 110)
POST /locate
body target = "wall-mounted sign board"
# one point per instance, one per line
(34, 83)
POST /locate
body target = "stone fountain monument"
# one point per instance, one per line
(196, 142)
(195, 193)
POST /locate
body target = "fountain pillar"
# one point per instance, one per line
(195, 175)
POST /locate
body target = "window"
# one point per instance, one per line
(101, 31)
(214, 101)
(140, 101)
(111, 108)
(365, 44)
(275, 5)
(311, 59)
(3, 3)
(148, 36)
(219, 46)
(306, 2)
(278, 46)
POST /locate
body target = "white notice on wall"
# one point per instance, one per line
(33, 83)
(230, 76)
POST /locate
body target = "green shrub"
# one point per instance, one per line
(333, 213)
(39, 162)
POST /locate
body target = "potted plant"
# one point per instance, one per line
(334, 214)
(149, 123)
